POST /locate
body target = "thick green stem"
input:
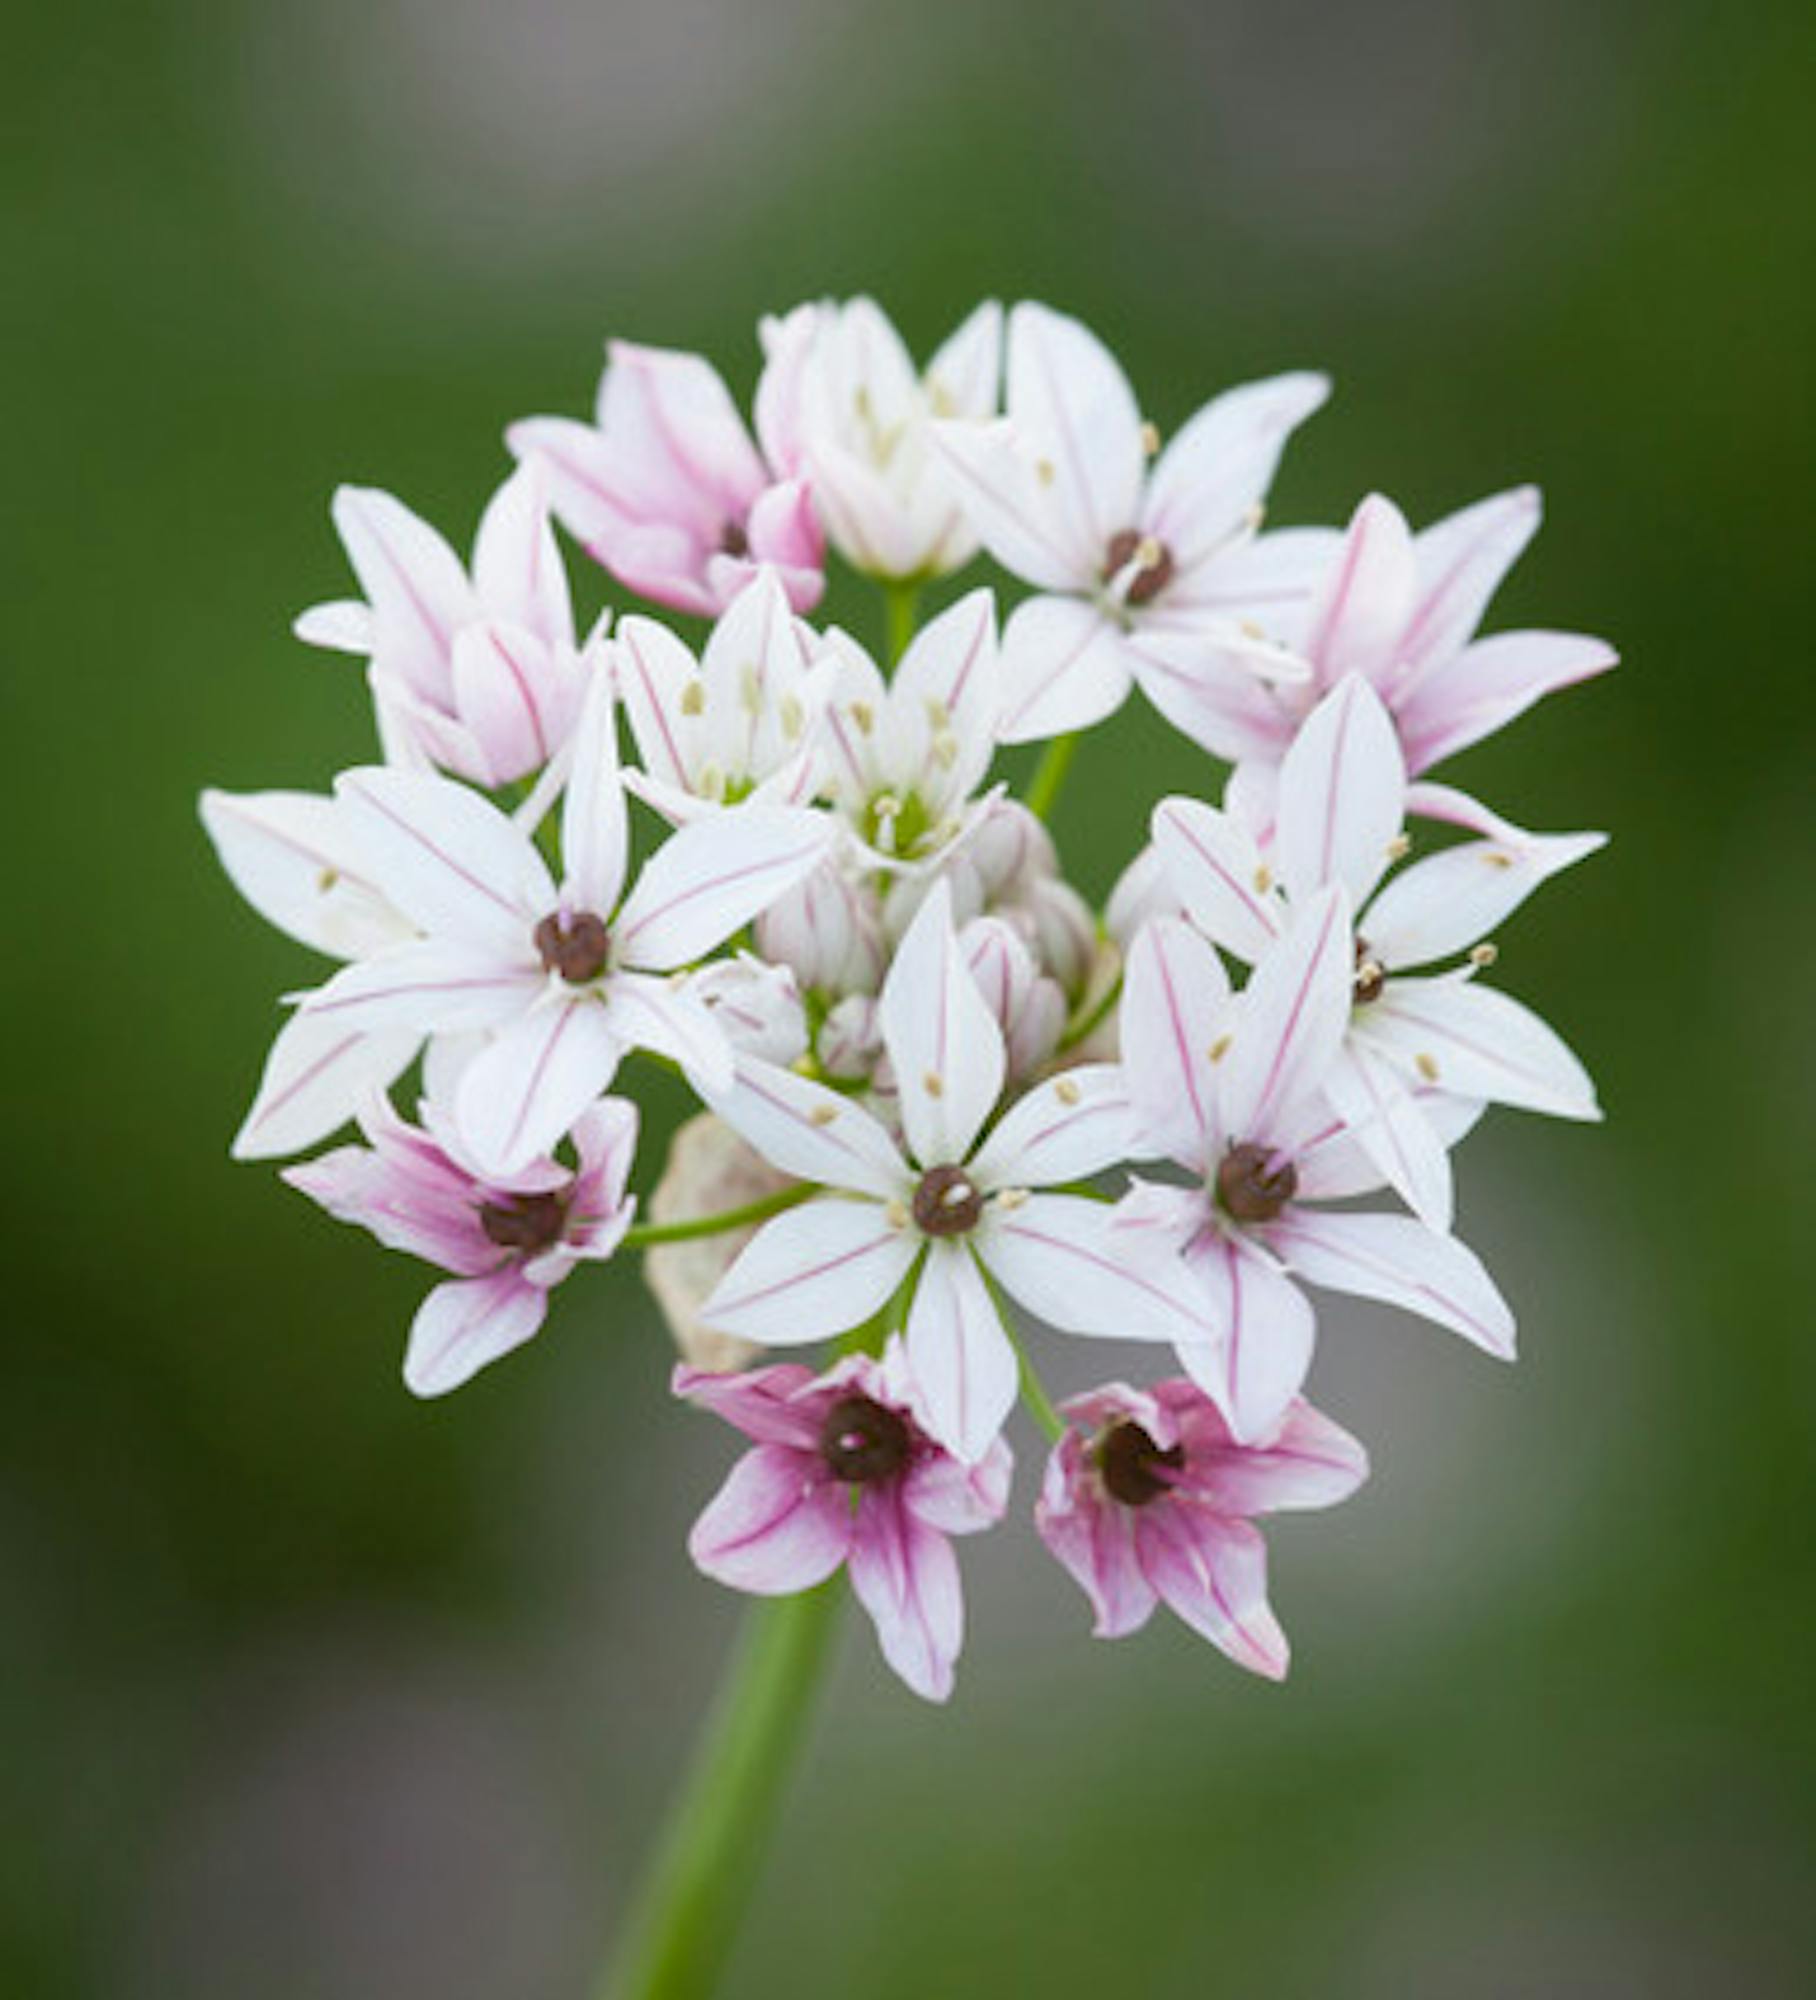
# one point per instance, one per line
(899, 601)
(644, 1235)
(680, 1931)
(1050, 774)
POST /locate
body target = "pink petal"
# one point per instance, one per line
(1486, 685)
(653, 669)
(1267, 1330)
(1012, 510)
(708, 879)
(1294, 1011)
(414, 582)
(528, 1085)
(466, 1324)
(905, 1575)
(812, 1272)
(294, 859)
(1210, 694)
(1065, 666)
(1462, 560)
(955, 1498)
(678, 438)
(943, 1041)
(766, 1404)
(448, 859)
(1071, 404)
(1342, 795)
(1066, 1129)
(505, 692)
(516, 564)
(812, 1132)
(1174, 1007)
(1093, 1539)
(1215, 868)
(1212, 1573)
(1397, 1259)
(1307, 1461)
(961, 1357)
(779, 1524)
(1362, 605)
(344, 626)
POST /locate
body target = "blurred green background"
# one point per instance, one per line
(308, 1690)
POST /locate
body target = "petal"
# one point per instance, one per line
(1212, 1572)
(1362, 604)
(1395, 1258)
(1064, 1259)
(964, 378)
(813, 1272)
(416, 586)
(1329, 1163)
(528, 1085)
(1069, 402)
(1066, 1129)
(342, 627)
(943, 1041)
(594, 830)
(766, 1404)
(1093, 1539)
(653, 671)
(505, 695)
(776, 1526)
(1444, 903)
(1211, 696)
(1462, 560)
(1222, 462)
(516, 564)
(424, 987)
(812, 1132)
(1175, 1008)
(708, 879)
(1268, 1330)
(294, 859)
(672, 1021)
(959, 1499)
(950, 672)
(677, 436)
(1386, 1119)
(1294, 1012)
(1012, 510)
(962, 1358)
(1065, 666)
(451, 861)
(463, 1325)
(1307, 1462)
(1486, 685)
(905, 1575)
(317, 1076)
(1216, 870)
(1342, 795)
(1475, 1042)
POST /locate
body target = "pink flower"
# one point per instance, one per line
(844, 1471)
(479, 675)
(508, 1239)
(1061, 493)
(668, 491)
(1152, 1503)
(1401, 610)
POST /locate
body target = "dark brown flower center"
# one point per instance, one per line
(1249, 1188)
(524, 1222)
(863, 1442)
(733, 541)
(1150, 558)
(574, 945)
(1129, 1462)
(946, 1203)
(1371, 974)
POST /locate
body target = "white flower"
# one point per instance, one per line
(942, 1209)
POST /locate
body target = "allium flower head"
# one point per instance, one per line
(845, 1472)
(1149, 1497)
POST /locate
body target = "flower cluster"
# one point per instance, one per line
(945, 1098)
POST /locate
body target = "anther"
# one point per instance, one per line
(1066, 1089)
(947, 1202)
(1132, 1465)
(822, 1114)
(575, 947)
(733, 541)
(1149, 558)
(1250, 1188)
(693, 697)
(1219, 1048)
(524, 1222)
(1399, 847)
(1484, 954)
(1150, 439)
(1371, 974)
(934, 1084)
(1427, 1065)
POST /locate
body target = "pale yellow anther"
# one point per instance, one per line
(1427, 1065)
(1010, 1199)
(1498, 857)
(1255, 516)
(327, 879)
(1399, 847)
(711, 783)
(1044, 471)
(750, 688)
(1220, 1048)
(886, 806)
(863, 715)
(793, 720)
(1066, 1089)
(1250, 630)
(1149, 553)
(1484, 954)
(945, 749)
(693, 697)
(933, 1084)
(895, 1213)
(1264, 878)
(939, 716)
(1150, 439)
(822, 1114)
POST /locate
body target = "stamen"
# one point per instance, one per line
(934, 1084)
(1137, 566)
(863, 715)
(1133, 1467)
(1484, 954)
(1066, 1089)
(1150, 440)
(1399, 847)
(1220, 1048)
(525, 1223)
(1427, 1065)
(822, 1114)
(693, 696)
(733, 541)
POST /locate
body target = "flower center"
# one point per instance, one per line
(575, 945)
(524, 1222)
(863, 1442)
(1248, 1189)
(733, 541)
(1371, 974)
(1128, 1461)
(946, 1203)
(1144, 560)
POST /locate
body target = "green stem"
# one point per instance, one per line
(899, 601)
(680, 1930)
(643, 1235)
(1050, 774)
(1083, 1024)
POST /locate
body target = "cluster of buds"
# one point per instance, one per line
(945, 1099)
